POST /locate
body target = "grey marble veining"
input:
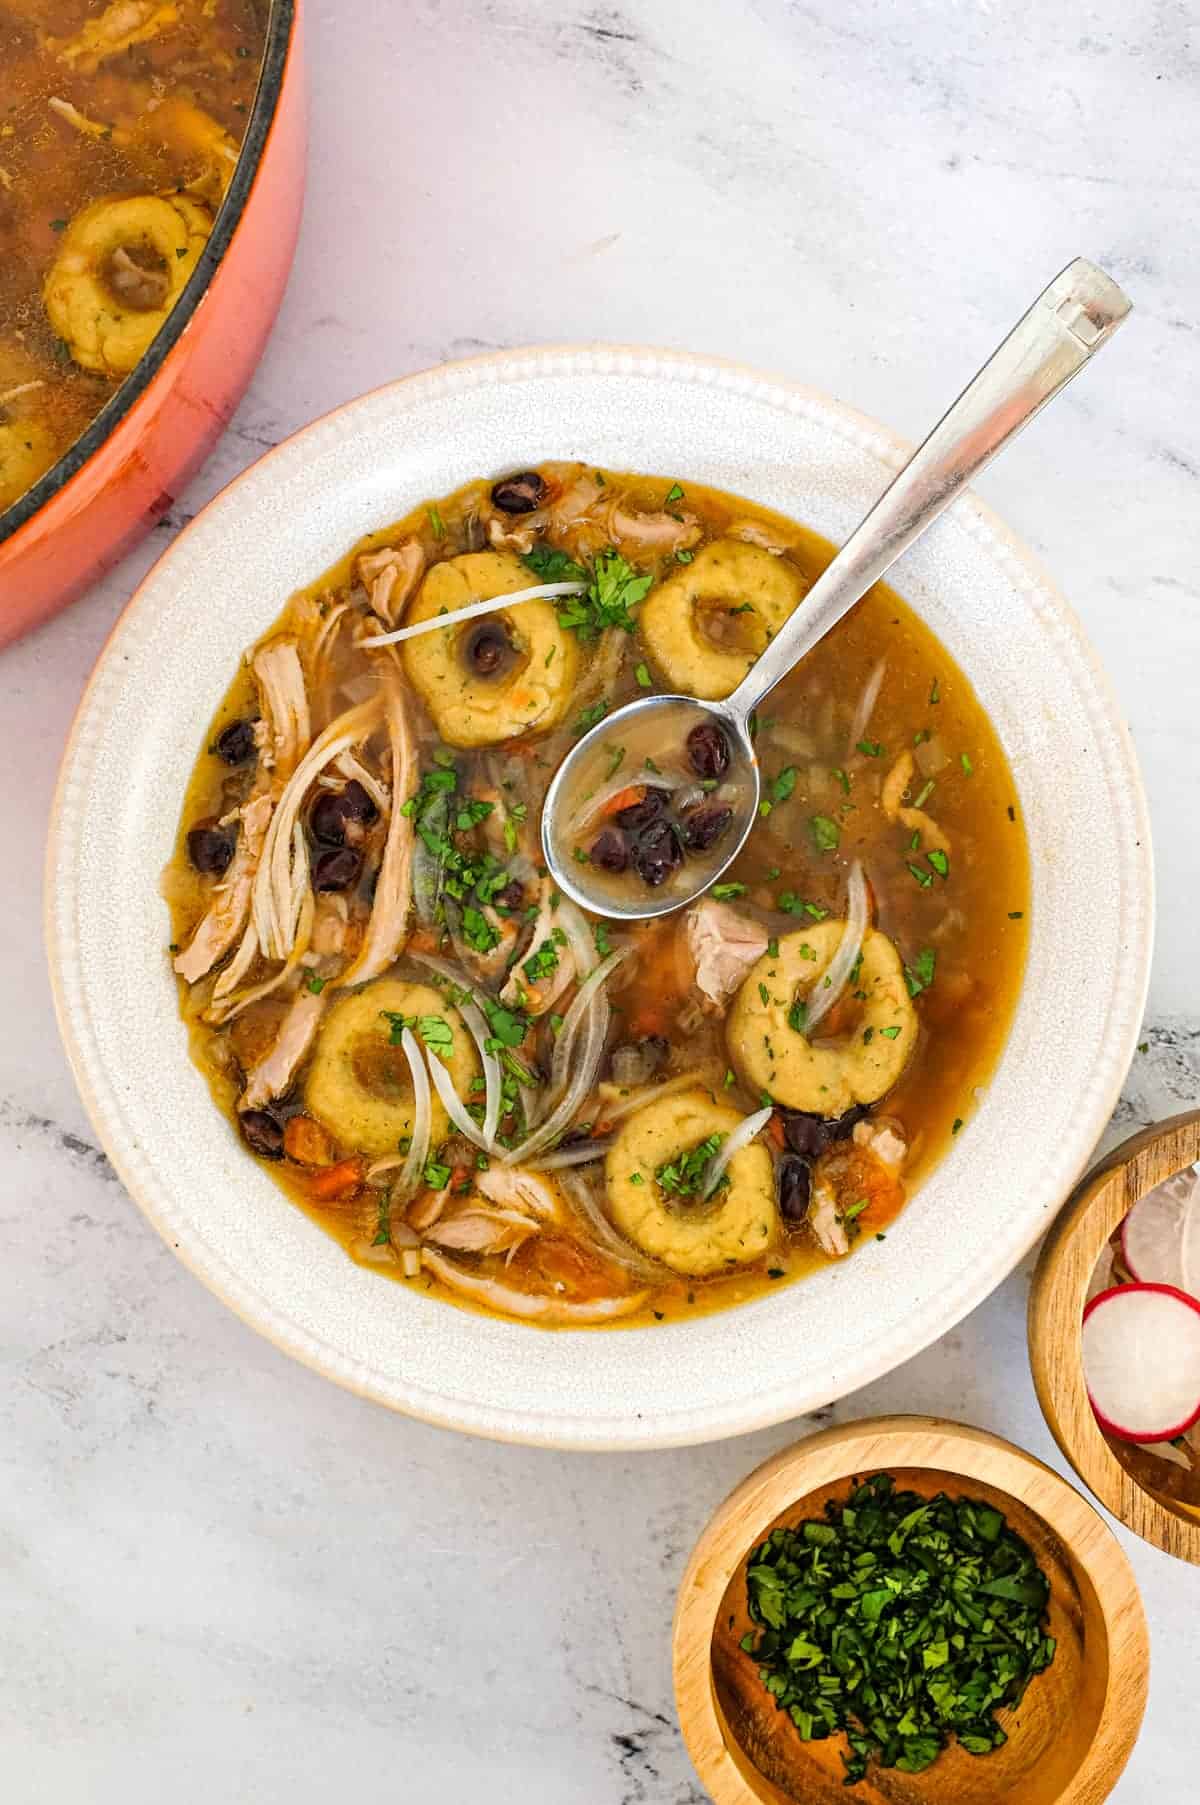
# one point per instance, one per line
(219, 1575)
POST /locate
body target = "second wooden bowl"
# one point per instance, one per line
(1068, 1259)
(1072, 1734)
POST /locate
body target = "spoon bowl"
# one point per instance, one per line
(663, 721)
(1067, 324)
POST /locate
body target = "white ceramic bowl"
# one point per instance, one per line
(141, 724)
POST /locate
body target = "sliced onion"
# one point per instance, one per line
(829, 988)
(591, 1008)
(866, 703)
(480, 1034)
(611, 1243)
(647, 1093)
(586, 997)
(417, 1156)
(598, 801)
(741, 1137)
(579, 1155)
(453, 1104)
(538, 592)
(579, 939)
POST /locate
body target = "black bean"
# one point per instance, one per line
(793, 1180)
(337, 870)
(357, 804)
(210, 847)
(334, 810)
(708, 750)
(519, 494)
(811, 1134)
(262, 1133)
(236, 744)
(640, 814)
(487, 648)
(609, 850)
(327, 818)
(704, 827)
(657, 853)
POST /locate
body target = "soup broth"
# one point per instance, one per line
(119, 135)
(480, 1088)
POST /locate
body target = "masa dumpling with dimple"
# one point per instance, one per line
(690, 1234)
(824, 1076)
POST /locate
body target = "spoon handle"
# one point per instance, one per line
(1080, 310)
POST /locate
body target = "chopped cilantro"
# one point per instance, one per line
(939, 861)
(827, 835)
(900, 1620)
(727, 892)
(551, 566)
(683, 1176)
(919, 975)
(589, 717)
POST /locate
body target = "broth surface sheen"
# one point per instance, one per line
(360, 919)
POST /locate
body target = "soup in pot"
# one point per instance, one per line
(118, 138)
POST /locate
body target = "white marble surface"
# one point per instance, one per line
(219, 1576)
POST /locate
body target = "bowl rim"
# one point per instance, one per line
(278, 45)
(935, 1444)
(590, 1431)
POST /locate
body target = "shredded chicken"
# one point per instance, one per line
(281, 882)
(513, 1187)
(284, 732)
(491, 1231)
(724, 946)
(916, 820)
(825, 1220)
(753, 532)
(227, 1001)
(275, 1071)
(331, 925)
(121, 25)
(428, 1208)
(390, 576)
(506, 534)
(388, 926)
(656, 534)
(91, 128)
(230, 906)
(530, 1305)
(884, 1140)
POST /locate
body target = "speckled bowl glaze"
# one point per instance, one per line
(136, 736)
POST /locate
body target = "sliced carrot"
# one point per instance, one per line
(634, 792)
(306, 1142)
(338, 1184)
(775, 1130)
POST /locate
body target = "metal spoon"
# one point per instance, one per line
(1079, 311)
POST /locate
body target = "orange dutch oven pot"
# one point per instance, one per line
(124, 472)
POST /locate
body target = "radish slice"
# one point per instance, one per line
(1152, 1233)
(1141, 1361)
(1187, 1185)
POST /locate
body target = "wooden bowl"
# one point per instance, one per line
(1073, 1732)
(1064, 1271)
